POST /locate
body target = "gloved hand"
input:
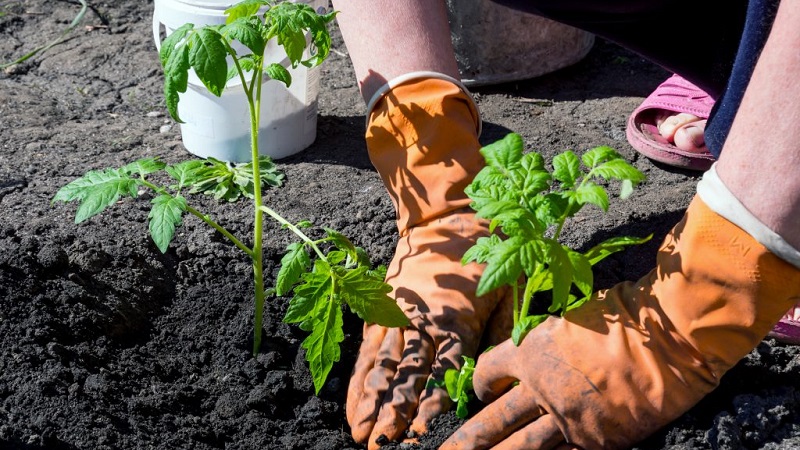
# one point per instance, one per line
(422, 137)
(639, 355)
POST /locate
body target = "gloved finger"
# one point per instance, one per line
(373, 336)
(496, 421)
(541, 434)
(403, 394)
(435, 400)
(494, 372)
(376, 383)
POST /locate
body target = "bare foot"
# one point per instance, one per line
(685, 130)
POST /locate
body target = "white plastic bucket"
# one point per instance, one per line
(219, 127)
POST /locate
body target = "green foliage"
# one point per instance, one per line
(530, 204)
(97, 190)
(322, 284)
(208, 49)
(458, 384)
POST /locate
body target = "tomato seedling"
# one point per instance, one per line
(321, 282)
(530, 204)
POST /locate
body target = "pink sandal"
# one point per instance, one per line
(674, 94)
(788, 329)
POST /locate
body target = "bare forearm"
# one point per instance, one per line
(388, 38)
(760, 162)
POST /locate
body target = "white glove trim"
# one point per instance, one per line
(397, 81)
(717, 196)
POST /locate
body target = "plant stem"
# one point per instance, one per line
(258, 252)
(294, 230)
(204, 217)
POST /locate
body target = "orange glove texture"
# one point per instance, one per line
(422, 137)
(639, 355)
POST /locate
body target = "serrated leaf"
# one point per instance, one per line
(176, 79)
(559, 265)
(610, 246)
(246, 32)
(370, 298)
(341, 242)
(599, 155)
(294, 263)
(96, 190)
(567, 168)
(172, 98)
(143, 166)
(480, 252)
(322, 345)
(524, 326)
(244, 9)
(207, 56)
(300, 309)
(504, 154)
(172, 41)
(532, 162)
(279, 73)
(593, 194)
(165, 216)
(503, 266)
(184, 172)
(618, 169)
(582, 275)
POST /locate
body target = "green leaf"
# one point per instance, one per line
(279, 73)
(300, 308)
(96, 190)
(369, 298)
(244, 9)
(230, 182)
(560, 266)
(322, 345)
(600, 251)
(625, 189)
(246, 32)
(618, 169)
(184, 172)
(524, 326)
(480, 252)
(591, 193)
(503, 266)
(207, 56)
(582, 275)
(599, 155)
(293, 264)
(567, 168)
(143, 166)
(341, 242)
(176, 79)
(504, 154)
(165, 216)
(173, 41)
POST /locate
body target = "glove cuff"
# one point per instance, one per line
(422, 137)
(417, 76)
(720, 200)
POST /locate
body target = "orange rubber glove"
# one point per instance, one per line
(639, 355)
(422, 137)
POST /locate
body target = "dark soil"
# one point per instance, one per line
(106, 343)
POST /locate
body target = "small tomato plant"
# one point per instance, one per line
(530, 204)
(321, 282)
